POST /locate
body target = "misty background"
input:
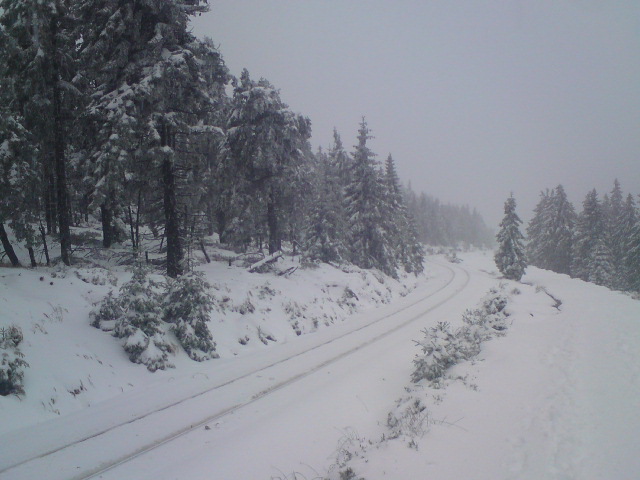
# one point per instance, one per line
(473, 99)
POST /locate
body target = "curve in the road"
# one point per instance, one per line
(179, 433)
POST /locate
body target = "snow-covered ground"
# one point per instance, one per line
(558, 397)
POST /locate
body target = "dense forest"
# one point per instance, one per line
(114, 112)
(601, 244)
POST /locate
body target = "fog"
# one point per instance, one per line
(474, 99)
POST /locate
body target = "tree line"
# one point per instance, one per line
(115, 109)
(601, 244)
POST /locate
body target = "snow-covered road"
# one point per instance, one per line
(557, 398)
(87, 442)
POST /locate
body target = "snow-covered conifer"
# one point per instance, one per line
(370, 242)
(510, 257)
(325, 226)
(588, 230)
(402, 229)
(37, 54)
(600, 266)
(267, 145)
(188, 305)
(440, 351)
(12, 363)
(561, 232)
(550, 232)
(140, 322)
(538, 232)
(632, 257)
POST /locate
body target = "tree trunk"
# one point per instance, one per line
(172, 225)
(32, 257)
(50, 194)
(204, 250)
(107, 228)
(138, 219)
(44, 244)
(6, 244)
(221, 224)
(275, 242)
(175, 254)
(58, 152)
(131, 228)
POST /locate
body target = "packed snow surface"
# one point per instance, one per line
(557, 397)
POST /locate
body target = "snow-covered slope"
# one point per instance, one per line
(74, 366)
(555, 398)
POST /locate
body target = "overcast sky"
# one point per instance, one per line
(474, 99)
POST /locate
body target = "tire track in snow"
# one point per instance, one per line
(111, 464)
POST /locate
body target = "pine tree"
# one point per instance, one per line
(138, 321)
(401, 229)
(600, 264)
(370, 245)
(151, 84)
(339, 160)
(325, 227)
(550, 232)
(588, 230)
(510, 256)
(39, 65)
(618, 230)
(538, 232)
(627, 235)
(266, 146)
(632, 257)
(561, 232)
(188, 306)
(19, 182)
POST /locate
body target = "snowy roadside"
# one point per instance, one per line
(74, 366)
(556, 398)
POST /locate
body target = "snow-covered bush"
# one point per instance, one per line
(136, 316)
(188, 305)
(12, 363)
(140, 322)
(106, 315)
(442, 348)
(409, 418)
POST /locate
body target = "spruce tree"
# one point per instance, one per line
(370, 243)
(632, 257)
(538, 236)
(561, 232)
(510, 256)
(618, 230)
(38, 56)
(266, 146)
(550, 232)
(150, 83)
(588, 230)
(600, 264)
(402, 230)
(325, 227)
(187, 306)
(628, 224)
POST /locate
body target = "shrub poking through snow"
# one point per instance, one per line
(140, 322)
(442, 347)
(139, 313)
(409, 419)
(136, 316)
(440, 350)
(106, 315)
(188, 305)
(12, 363)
